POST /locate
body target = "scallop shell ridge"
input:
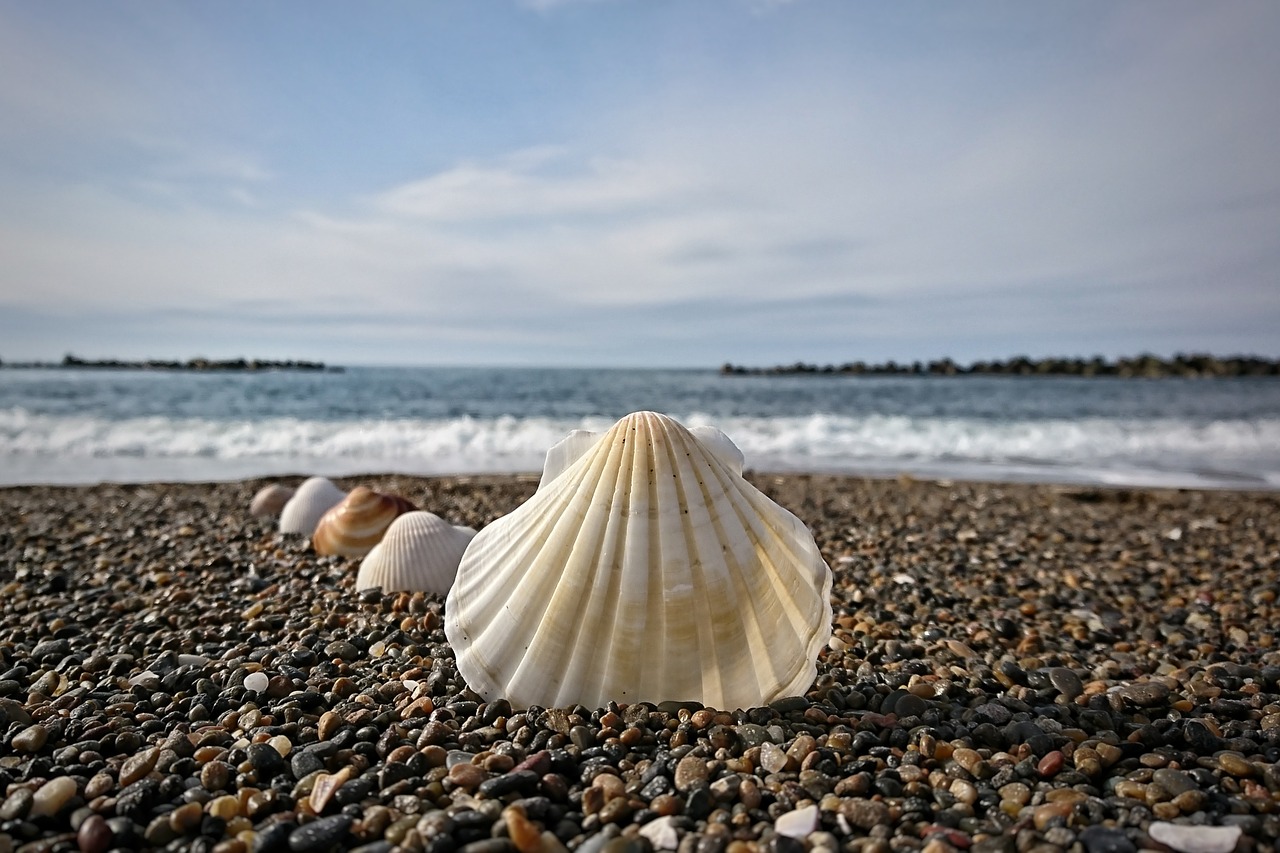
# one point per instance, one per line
(648, 569)
(420, 551)
(312, 500)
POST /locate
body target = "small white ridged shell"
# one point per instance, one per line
(645, 568)
(270, 500)
(419, 552)
(309, 503)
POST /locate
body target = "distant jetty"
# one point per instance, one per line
(202, 365)
(1142, 366)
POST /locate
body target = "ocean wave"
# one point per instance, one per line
(48, 448)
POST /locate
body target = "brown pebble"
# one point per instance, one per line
(617, 810)
(592, 801)
(99, 784)
(1051, 764)
(1235, 764)
(524, 834)
(328, 725)
(1045, 815)
(30, 739)
(1189, 802)
(215, 775)
(467, 776)
(665, 805)
(865, 814)
(691, 774)
(94, 835)
(137, 766)
(225, 807)
(186, 818)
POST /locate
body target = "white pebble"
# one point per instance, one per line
(798, 823)
(256, 681)
(661, 834)
(1195, 839)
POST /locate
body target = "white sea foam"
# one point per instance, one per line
(46, 448)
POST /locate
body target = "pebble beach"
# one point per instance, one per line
(1013, 668)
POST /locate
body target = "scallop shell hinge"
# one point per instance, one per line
(645, 568)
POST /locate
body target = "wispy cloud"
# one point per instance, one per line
(1123, 183)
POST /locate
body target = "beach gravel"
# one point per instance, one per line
(1013, 668)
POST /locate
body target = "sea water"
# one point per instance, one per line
(86, 426)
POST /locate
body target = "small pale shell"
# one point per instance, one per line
(312, 500)
(270, 500)
(645, 568)
(420, 552)
(357, 523)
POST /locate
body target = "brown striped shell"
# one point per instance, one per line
(355, 525)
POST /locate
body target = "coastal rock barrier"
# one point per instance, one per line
(193, 364)
(1143, 366)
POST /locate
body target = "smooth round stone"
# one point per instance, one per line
(30, 739)
(215, 775)
(94, 835)
(1066, 682)
(137, 766)
(910, 705)
(52, 796)
(186, 818)
(257, 681)
(865, 814)
(17, 804)
(225, 807)
(691, 773)
(1144, 694)
(1235, 764)
(1174, 781)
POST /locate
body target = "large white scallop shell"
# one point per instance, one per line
(309, 503)
(420, 551)
(645, 568)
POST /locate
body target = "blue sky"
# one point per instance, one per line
(605, 182)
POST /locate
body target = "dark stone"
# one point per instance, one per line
(265, 760)
(517, 781)
(1102, 839)
(320, 834)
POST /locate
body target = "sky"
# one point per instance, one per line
(638, 182)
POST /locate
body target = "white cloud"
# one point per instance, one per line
(870, 206)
